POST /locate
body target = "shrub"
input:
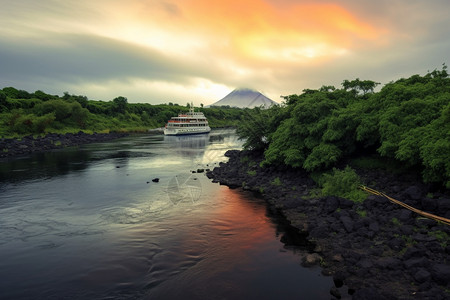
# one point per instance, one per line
(251, 172)
(276, 181)
(343, 183)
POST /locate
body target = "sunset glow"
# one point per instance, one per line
(205, 47)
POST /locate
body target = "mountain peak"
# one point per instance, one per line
(244, 97)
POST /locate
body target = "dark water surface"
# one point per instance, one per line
(89, 223)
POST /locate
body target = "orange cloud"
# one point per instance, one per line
(258, 28)
(251, 30)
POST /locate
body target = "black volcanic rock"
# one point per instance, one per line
(244, 98)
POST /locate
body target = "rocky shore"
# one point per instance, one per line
(29, 144)
(373, 250)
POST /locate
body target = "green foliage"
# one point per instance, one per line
(441, 236)
(257, 124)
(406, 123)
(251, 172)
(3, 101)
(120, 104)
(343, 183)
(395, 221)
(362, 213)
(22, 123)
(276, 181)
(23, 113)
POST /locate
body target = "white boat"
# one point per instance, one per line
(191, 122)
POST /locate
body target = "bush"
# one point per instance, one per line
(343, 183)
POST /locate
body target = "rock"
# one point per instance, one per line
(429, 204)
(413, 252)
(413, 192)
(441, 274)
(422, 276)
(347, 222)
(338, 279)
(337, 257)
(416, 262)
(345, 203)
(200, 170)
(331, 204)
(155, 179)
(368, 293)
(374, 227)
(312, 259)
(390, 263)
(396, 243)
(231, 153)
(320, 232)
(444, 205)
(365, 263)
(335, 293)
(405, 215)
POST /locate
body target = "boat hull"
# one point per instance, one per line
(186, 131)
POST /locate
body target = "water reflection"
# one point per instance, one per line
(92, 225)
(191, 146)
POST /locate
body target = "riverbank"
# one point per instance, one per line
(30, 144)
(373, 250)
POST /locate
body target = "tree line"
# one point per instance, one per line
(407, 121)
(23, 113)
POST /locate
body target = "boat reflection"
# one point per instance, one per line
(191, 146)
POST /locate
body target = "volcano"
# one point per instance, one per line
(244, 97)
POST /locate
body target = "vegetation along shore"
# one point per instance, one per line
(37, 122)
(309, 157)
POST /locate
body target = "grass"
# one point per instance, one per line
(441, 236)
(361, 213)
(251, 172)
(276, 182)
(314, 193)
(396, 222)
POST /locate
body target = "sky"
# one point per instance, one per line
(160, 51)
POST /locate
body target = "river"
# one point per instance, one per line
(89, 223)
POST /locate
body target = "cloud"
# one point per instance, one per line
(163, 49)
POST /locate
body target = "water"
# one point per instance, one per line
(89, 223)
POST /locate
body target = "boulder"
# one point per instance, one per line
(441, 273)
(374, 227)
(416, 262)
(413, 192)
(390, 263)
(422, 275)
(413, 252)
(331, 204)
(347, 222)
(368, 293)
(345, 203)
(312, 259)
(429, 204)
(335, 293)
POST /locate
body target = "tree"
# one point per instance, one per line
(42, 96)
(120, 104)
(3, 101)
(358, 85)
